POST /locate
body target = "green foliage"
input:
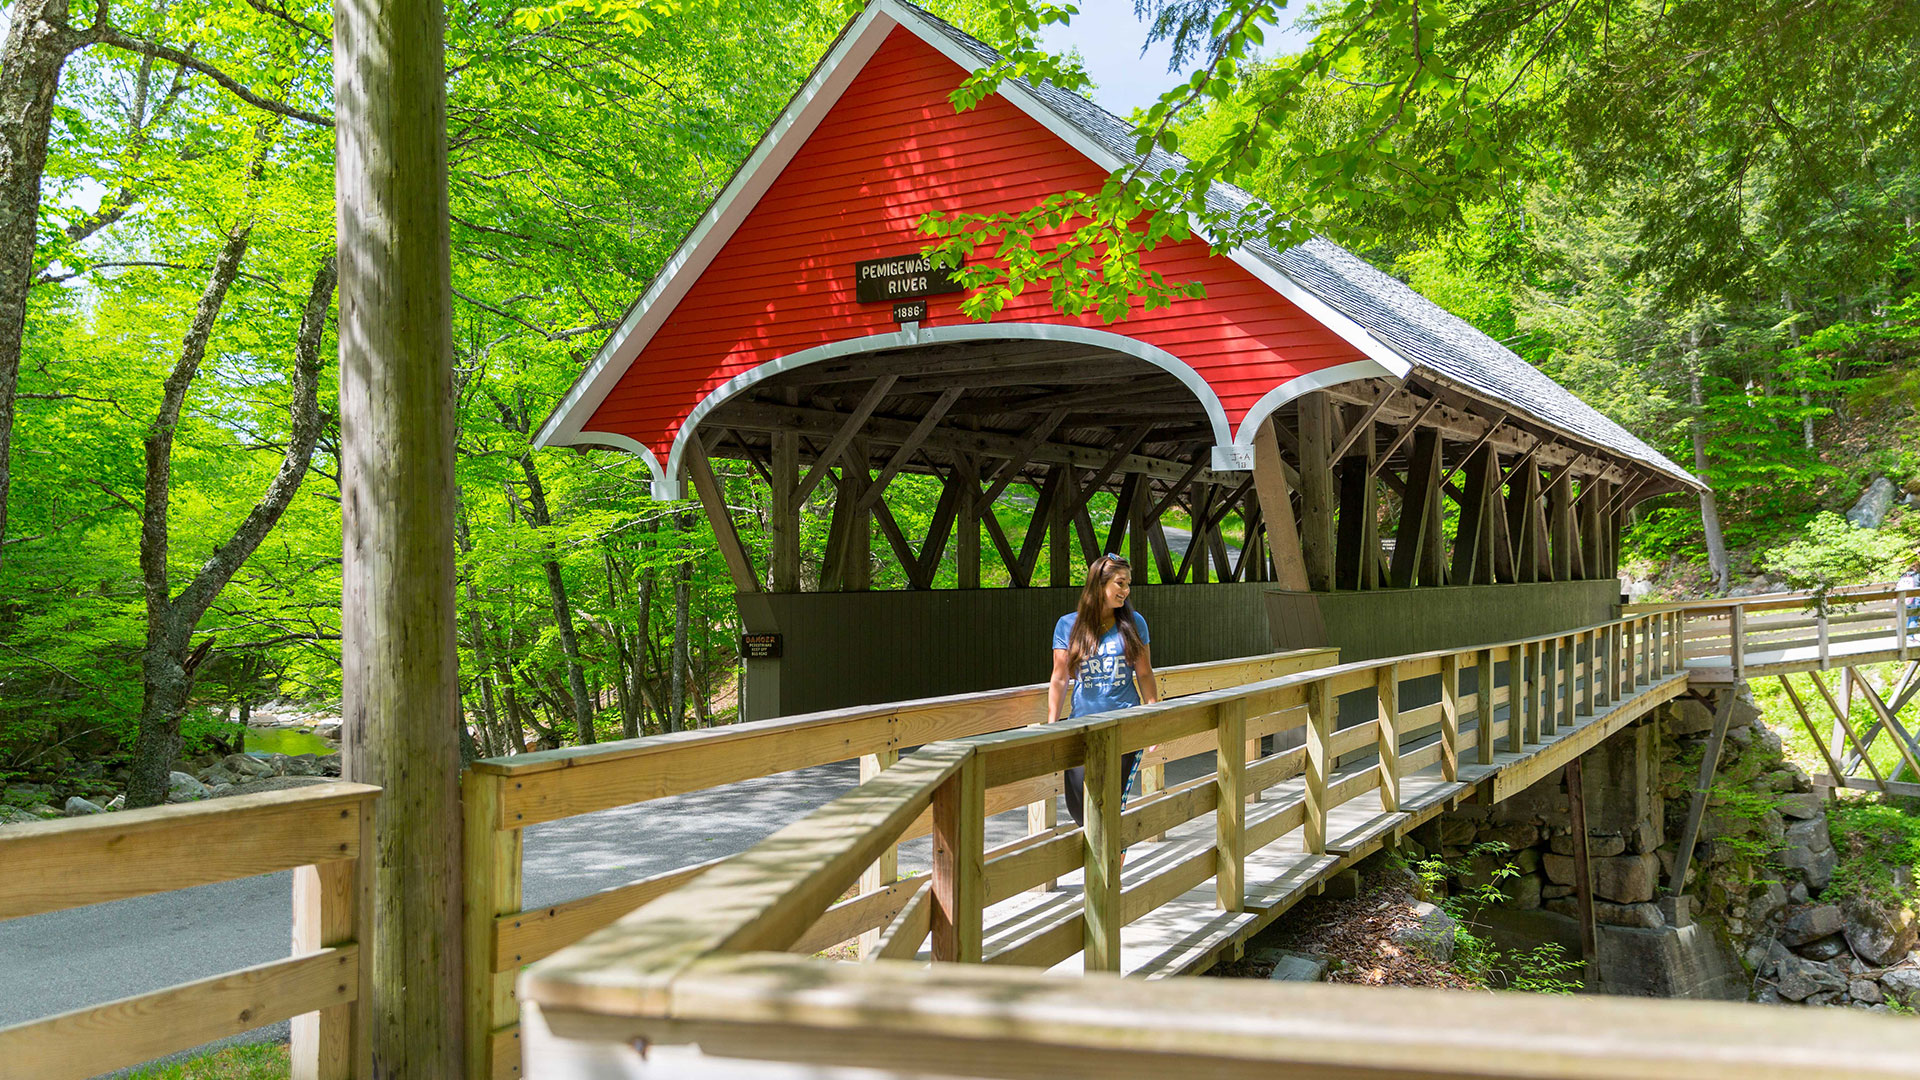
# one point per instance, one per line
(252, 1061)
(1832, 552)
(1876, 842)
(1544, 969)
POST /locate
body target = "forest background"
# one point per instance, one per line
(1699, 217)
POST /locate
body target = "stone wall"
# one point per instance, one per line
(1751, 922)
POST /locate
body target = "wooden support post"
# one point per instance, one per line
(1276, 509)
(1416, 510)
(1522, 488)
(783, 516)
(1323, 709)
(1500, 539)
(1230, 808)
(1560, 525)
(713, 500)
(959, 864)
(1833, 765)
(1582, 870)
(967, 523)
(492, 878)
(1842, 722)
(1569, 646)
(1709, 763)
(1483, 719)
(1900, 619)
(1359, 519)
(1450, 717)
(1316, 491)
(1139, 544)
(1101, 940)
(1472, 547)
(331, 908)
(1519, 687)
(1738, 617)
(1590, 673)
(1153, 780)
(1059, 524)
(886, 869)
(1042, 817)
(1386, 688)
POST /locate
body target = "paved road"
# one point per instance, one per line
(70, 959)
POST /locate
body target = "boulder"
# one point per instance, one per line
(1865, 991)
(1831, 947)
(328, 730)
(1687, 716)
(1877, 934)
(1641, 916)
(246, 766)
(1432, 935)
(78, 807)
(1456, 832)
(1766, 903)
(1298, 967)
(1798, 978)
(43, 812)
(1523, 891)
(1902, 985)
(1871, 511)
(1800, 806)
(13, 815)
(184, 788)
(1811, 924)
(1809, 849)
(330, 765)
(302, 765)
(1514, 836)
(1599, 845)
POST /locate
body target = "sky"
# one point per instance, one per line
(1109, 39)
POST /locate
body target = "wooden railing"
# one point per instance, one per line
(319, 832)
(704, 963)
(1780, 633)
(503, 796)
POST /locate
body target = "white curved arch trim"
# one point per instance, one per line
(632, 446)
(1273, 399)
(936, 335)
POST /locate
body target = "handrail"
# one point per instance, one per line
(502, 796)
(1767, 645)
(671, 972)
(320, 832)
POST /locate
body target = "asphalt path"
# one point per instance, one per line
(87, 956)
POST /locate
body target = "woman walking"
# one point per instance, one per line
(1101, 650)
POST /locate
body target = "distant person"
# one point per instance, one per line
(1911, 582)
(1101, 650)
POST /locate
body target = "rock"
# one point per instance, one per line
(1826, 948)
(1623, 879)
(1599, 845)
(77, 807)
(302, 765)
(1811, 924)
(1879, 935)
(1686, 716)
(1902, 985)
(1865, 991)
(1514, 836)
(43, 812)
(246, 766)
(13, 815)
(1642, 916)
(1798, 979)
(220, 789)
(330, 765)
(1800, 806)
(1810, 851)
(1766, 903)
(1524, 891)
(1298, 967)
(1871, 511)
(1676, 911)
(1767, 996)
(1456, 832)
(329, 730)
(1555, 892)
(184, 788)
(1797, 894)
(1432, 936)
(1344, 885)
(1826, 997)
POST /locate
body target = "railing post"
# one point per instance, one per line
(957, 919)
(1549, 667)
(1737, 634)
(1519, 717)
(1483, 676)
(1590, 672)
(1386, 686)
(1450, 717)
(1322, 710)
(1230, 811)
(492, 880)
(1900, 621)
(1569, 655)
(1042, 816)
(1101, 940)
(886, 869)
(331, 905)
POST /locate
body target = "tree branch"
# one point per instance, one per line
(120, 39)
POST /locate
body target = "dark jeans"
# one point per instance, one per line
(1077, 786)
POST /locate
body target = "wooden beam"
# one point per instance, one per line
(1367, 418)
(843, 435)
(1474, 448)
(1406, 432)
(1709, 763)
(1416, 510)
(1359, 557)
(1117, 532)
(713, 499)
(783, 515)
(967, 522)
(1035, 438)
(1316, 492)
(1276, 509)
(1473, 540)
(906, 449)
(959, 864)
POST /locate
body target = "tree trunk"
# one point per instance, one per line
(683, 578)
(1709, 509)
(38, 44)
(400, 684)
(538, 515)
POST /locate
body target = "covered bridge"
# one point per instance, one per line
(1390, 478)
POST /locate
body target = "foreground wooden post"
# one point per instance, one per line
(886, 869)
(1582, 870)
(1483, 746)
(1230, 811)
(330, 908)
(1737, 623)
(400, 688)
(1101, 938)
(1386, 686)
(959, 864)
(493, 888)
(1450, 717)
(1548, 655)
(1322, 710)
(1519, 690)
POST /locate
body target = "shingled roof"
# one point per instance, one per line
(1441, 346)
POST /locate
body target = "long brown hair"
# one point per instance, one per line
(1084, 641)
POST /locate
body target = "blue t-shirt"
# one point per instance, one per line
(1105, 679)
